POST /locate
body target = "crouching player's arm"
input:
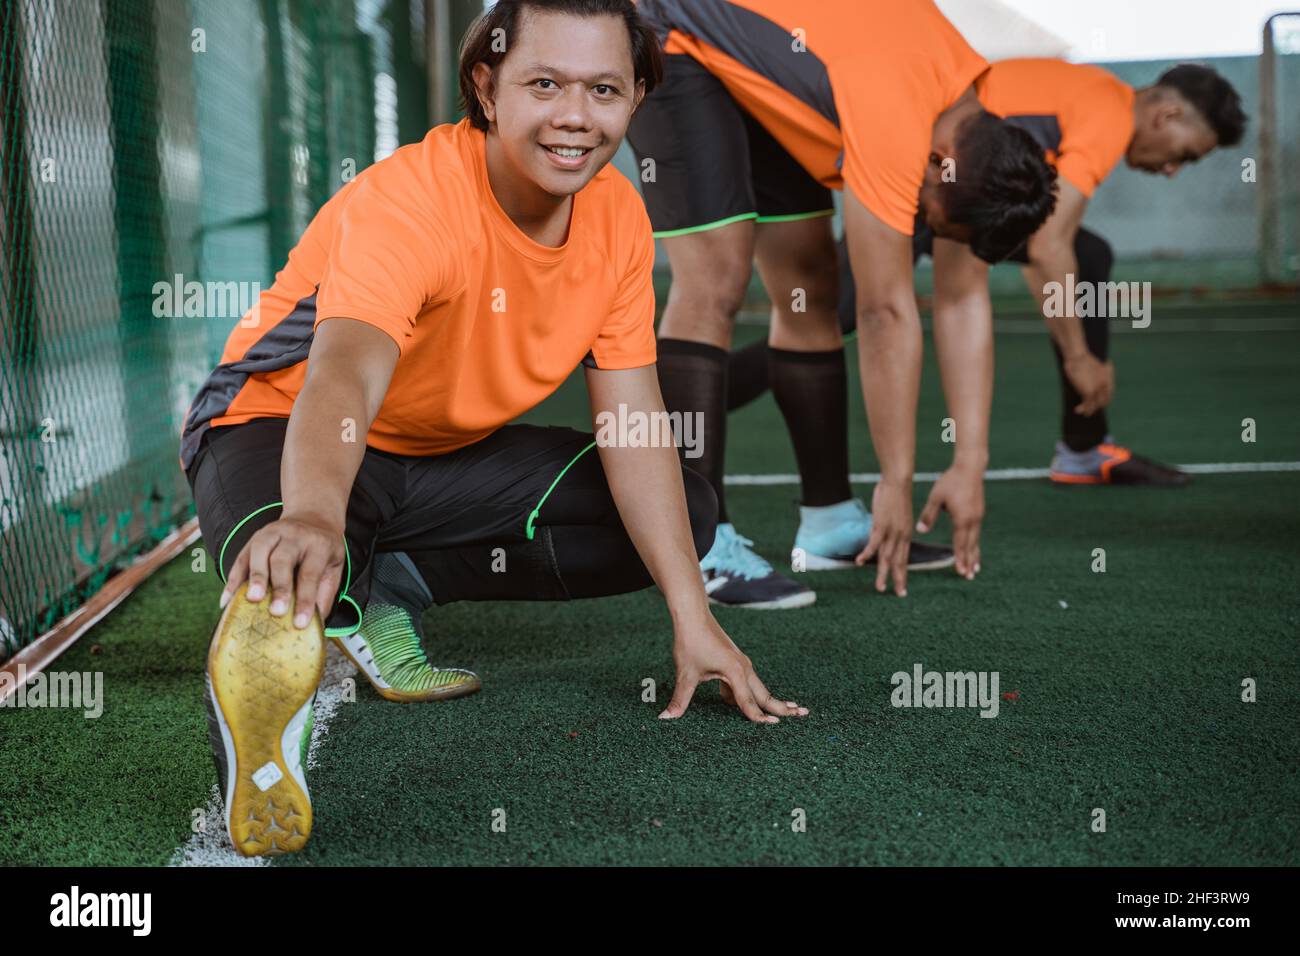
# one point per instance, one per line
(963, 340)
(301, 554)
(646, 484)
(1051, 259)
(889, 354)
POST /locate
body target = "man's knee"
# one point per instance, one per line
(702, 506)
(711, 270)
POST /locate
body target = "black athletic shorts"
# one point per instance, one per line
(714, 164)
(495, 491)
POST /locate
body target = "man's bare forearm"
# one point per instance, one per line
(963, 339)
(323, 449)
(1054, 265)
(646, 484)
(889, 354)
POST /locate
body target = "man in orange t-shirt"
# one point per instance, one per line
(1086, 120)
(766, 106)
(352, 454)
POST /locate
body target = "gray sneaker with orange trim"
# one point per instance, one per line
(1110, 464)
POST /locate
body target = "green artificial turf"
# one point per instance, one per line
(1127, 698)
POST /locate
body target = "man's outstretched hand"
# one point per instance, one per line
(960, 492)
(891, 535)
(703, 652)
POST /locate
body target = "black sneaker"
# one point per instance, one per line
(735, 576)
(925, 557)
(1111, 464)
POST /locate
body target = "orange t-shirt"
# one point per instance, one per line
(488, 322)
(850, 88)
(1081, 115)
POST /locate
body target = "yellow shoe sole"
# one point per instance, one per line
(263, 671)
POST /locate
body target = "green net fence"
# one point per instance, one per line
(158, 159)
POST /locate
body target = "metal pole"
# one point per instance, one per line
(1270, 255)
(1271, 241)
(437, 25)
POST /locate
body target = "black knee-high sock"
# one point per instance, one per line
(812, 391)
(1095, 259)
(747, 374)
(693, 379)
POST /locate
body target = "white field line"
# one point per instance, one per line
(1021, 474)
(211, 845)
(1028, 325)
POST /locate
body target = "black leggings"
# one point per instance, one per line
(748, 370)
(524, 514)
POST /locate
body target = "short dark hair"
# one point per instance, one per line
(1005, 187)
(1212, 96)
(479, 44)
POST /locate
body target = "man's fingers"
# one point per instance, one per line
(259, 551)
(283, 561)
(873, 546)
(682, 694)
(238, 571)
(963, 542)
(326, 592)
(777, 708)
(900, 567)
(309, 578)
(745, 698)
(930, 513)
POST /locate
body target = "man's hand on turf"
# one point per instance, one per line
(1093, 379)
(703, 652)
(891, 534)
(300, 560)
(960, 492)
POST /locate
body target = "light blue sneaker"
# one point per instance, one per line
(735, 576)
(831, 537)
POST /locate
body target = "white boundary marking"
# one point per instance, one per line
(1021, 474)
(211, 845)
(1028, 324)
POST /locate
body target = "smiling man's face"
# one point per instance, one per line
(562, 98)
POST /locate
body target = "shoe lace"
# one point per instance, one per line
(731, 554)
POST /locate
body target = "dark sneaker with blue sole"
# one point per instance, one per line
(734, 576)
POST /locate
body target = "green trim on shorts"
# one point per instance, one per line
(529, 530)
(669, 233)
(347, 580)
(795, 216)
(221, 557)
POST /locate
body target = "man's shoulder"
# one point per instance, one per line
(433, 170)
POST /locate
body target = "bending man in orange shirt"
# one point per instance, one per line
(766, 106)
(1086, 120)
